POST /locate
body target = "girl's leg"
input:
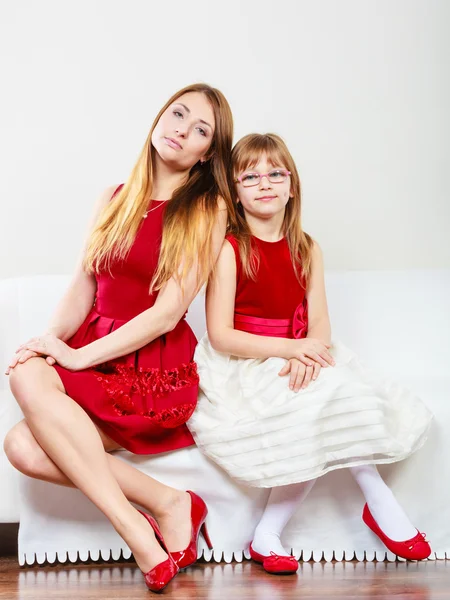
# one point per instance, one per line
(385, 509)
(169, 506)
(283, 502)
(71, 440)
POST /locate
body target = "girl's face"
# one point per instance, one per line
(264, 190)
(185, 131)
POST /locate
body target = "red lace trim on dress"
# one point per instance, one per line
(121, 382)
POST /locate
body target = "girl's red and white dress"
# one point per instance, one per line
(262, 433)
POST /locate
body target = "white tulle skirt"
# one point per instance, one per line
(262, 433)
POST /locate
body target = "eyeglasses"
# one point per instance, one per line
(275, 176)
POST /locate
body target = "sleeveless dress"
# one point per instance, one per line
(141, 400)
(262, 433)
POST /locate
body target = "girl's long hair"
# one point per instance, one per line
(245, 155)
(190, 215)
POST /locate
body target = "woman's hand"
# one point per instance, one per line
(22, 355)
(300, 374)
(54, 349)
(310, 350)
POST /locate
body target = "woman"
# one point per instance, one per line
(115, 369)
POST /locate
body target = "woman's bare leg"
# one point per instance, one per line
(71, 440)
(168, 505)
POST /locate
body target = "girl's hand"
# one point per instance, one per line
(300, 374)
(54, 349)
(316, 371)
(310, 350)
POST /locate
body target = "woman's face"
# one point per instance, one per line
(268, 196)
(185, 131)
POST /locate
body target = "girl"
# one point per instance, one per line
(115, 369)
(279, 406)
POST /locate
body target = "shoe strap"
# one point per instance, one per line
(279, 557)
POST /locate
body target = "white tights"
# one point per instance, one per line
(284, 501)
(385, 509)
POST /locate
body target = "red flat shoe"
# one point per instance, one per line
(417, 548)
(161, 575)
(188, 556)
(276, 564)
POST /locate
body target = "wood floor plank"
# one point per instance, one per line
(236, 581)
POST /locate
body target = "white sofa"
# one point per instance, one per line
(399, 324)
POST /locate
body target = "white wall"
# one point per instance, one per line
(358, 88)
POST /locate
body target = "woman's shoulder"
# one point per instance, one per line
(108, 194)
(102, 201)
(114, 189)
(316, 250)
(221, 204)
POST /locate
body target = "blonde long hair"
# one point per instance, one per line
(189, 216)
(246, 154)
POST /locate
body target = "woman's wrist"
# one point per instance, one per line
(82, 359)
(58, 332)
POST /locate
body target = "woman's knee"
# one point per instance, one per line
(29, 382)
(22, 450)
(20, 378)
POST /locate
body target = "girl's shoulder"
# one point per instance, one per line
(232, 240)
(235, 245)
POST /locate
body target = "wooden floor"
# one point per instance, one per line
(236, 581)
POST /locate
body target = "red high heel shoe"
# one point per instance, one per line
(161, 575)
(276, 564)
(417, 548)
(188, 556)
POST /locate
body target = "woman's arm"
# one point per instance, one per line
(318, 318)
(73, 307)
(163, 316)
(79, 296)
